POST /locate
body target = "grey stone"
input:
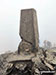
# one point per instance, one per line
(25, 46)
(51, 56)
(29, 27)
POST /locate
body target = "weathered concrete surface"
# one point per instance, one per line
(29, 27)
(25, 46)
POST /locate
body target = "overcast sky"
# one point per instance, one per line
(10, 21)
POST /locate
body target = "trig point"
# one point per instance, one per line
(29, 30)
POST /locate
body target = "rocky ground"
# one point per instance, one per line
(45, 60)
(4, 62)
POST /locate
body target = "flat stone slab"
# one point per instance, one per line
(19, 57)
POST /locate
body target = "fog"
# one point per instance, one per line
(10, 21)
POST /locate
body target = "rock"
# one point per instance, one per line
(4, 63)
(25, 47)
(37, 72)
(51, 56)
